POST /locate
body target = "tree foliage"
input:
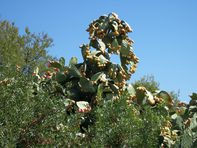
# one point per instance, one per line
(27, 51)
(148, 82)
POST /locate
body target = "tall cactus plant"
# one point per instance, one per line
(97, 78)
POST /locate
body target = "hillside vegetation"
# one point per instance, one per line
(45, 103)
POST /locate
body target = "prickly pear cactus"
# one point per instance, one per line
(96, 78)
(108, 35)
(181, 131)
(185, 121)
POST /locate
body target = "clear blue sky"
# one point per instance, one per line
(165, 32)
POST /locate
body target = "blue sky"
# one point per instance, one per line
(165, 33)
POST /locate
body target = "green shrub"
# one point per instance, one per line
(121, 125)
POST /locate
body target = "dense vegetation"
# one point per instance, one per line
(89, 104)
